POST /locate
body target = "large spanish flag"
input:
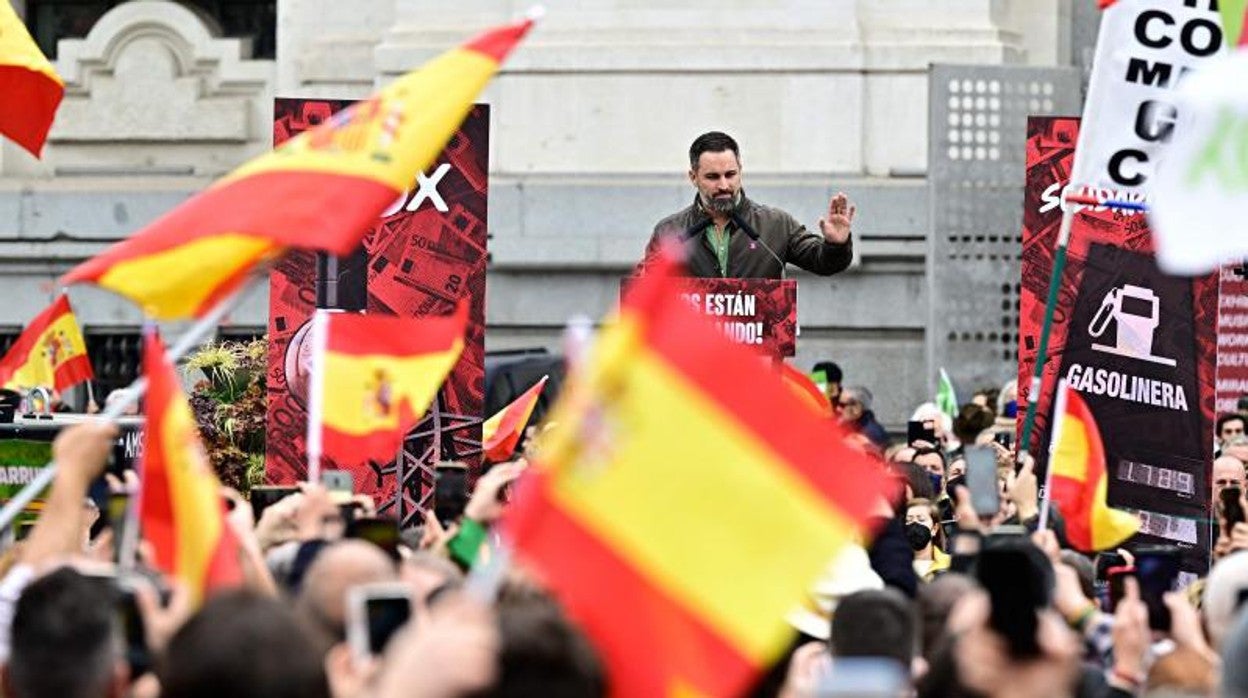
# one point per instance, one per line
(501, 433)
(50, 352)
(323, 189)
(181, 512)
(686, 502)
(30, 89)
(1078, 480)
(373, 378)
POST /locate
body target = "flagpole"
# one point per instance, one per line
(190, 339)
(1037, 376)
(318, 335)
(1055, 436)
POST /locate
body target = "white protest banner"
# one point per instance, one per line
(1201, 193)
(1144, 48)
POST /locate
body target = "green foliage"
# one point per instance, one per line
(229, 406)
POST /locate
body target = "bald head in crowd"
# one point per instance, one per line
(348, 563)
(1228, 471)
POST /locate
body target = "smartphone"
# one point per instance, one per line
(981, 480)
(1232, 507)
(862, 677)
(381, 532)
(1157, 568)
(338, 481)
(133, 628)
(917, 430)
(262, 498)
(375, 612)
(1004, 438)
(1105, 561)
(125, 538)
(1116, 577)
(450, 492)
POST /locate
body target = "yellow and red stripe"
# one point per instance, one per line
(501, 433)
(1079, 482)
(679, 514)
(803, 386)
(50, 352)
(380, 373)
(323, 189)
(30, 89)
(181, 512)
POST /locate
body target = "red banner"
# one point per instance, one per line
(1138, 345)
(427, 251)
(761, 313)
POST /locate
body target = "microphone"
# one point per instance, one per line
(753, 235)
(698, 226)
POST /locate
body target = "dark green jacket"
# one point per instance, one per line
(748, 258)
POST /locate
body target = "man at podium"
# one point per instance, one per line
(727, 235)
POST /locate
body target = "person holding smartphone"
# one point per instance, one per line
(927, 538)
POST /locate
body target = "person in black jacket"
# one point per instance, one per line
(725, 234)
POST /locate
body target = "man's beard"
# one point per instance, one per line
(718, 204)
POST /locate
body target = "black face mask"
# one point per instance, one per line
(920, 536)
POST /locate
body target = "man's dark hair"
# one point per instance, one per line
(242, 644)
(875, 623)
(972, 419)
(1227, 418)
(712, 142)
(65, 639)
(830, 370)
(543, 653)
(927, 451)
(920, 483)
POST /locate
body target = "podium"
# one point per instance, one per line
(760, 313)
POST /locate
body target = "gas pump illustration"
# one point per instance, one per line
(1136, 311)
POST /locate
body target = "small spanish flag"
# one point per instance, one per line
(181, 512)
(1078, 481)
(50, 352)
(373, 377)
(501, 433)
(805, 387)
(323, 189)
(680, 515)
(30, 89)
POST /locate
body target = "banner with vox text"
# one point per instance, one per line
(426, 251)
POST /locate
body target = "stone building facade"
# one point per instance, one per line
(590, 124)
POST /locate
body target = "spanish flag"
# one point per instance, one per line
(50, 352)
(181, 513)
(323, 189)
(686, 502)
(30, 89)
(501, 433)
(1078, 481)
(804, 386)
(373, 378)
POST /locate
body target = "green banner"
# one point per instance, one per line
(1232, 20)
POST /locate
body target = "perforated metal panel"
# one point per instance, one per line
(976, 154)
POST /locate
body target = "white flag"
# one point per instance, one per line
(1199, 215)
(1143, 49)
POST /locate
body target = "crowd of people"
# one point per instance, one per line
(939, 599)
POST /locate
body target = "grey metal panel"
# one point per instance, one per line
(976, 160)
